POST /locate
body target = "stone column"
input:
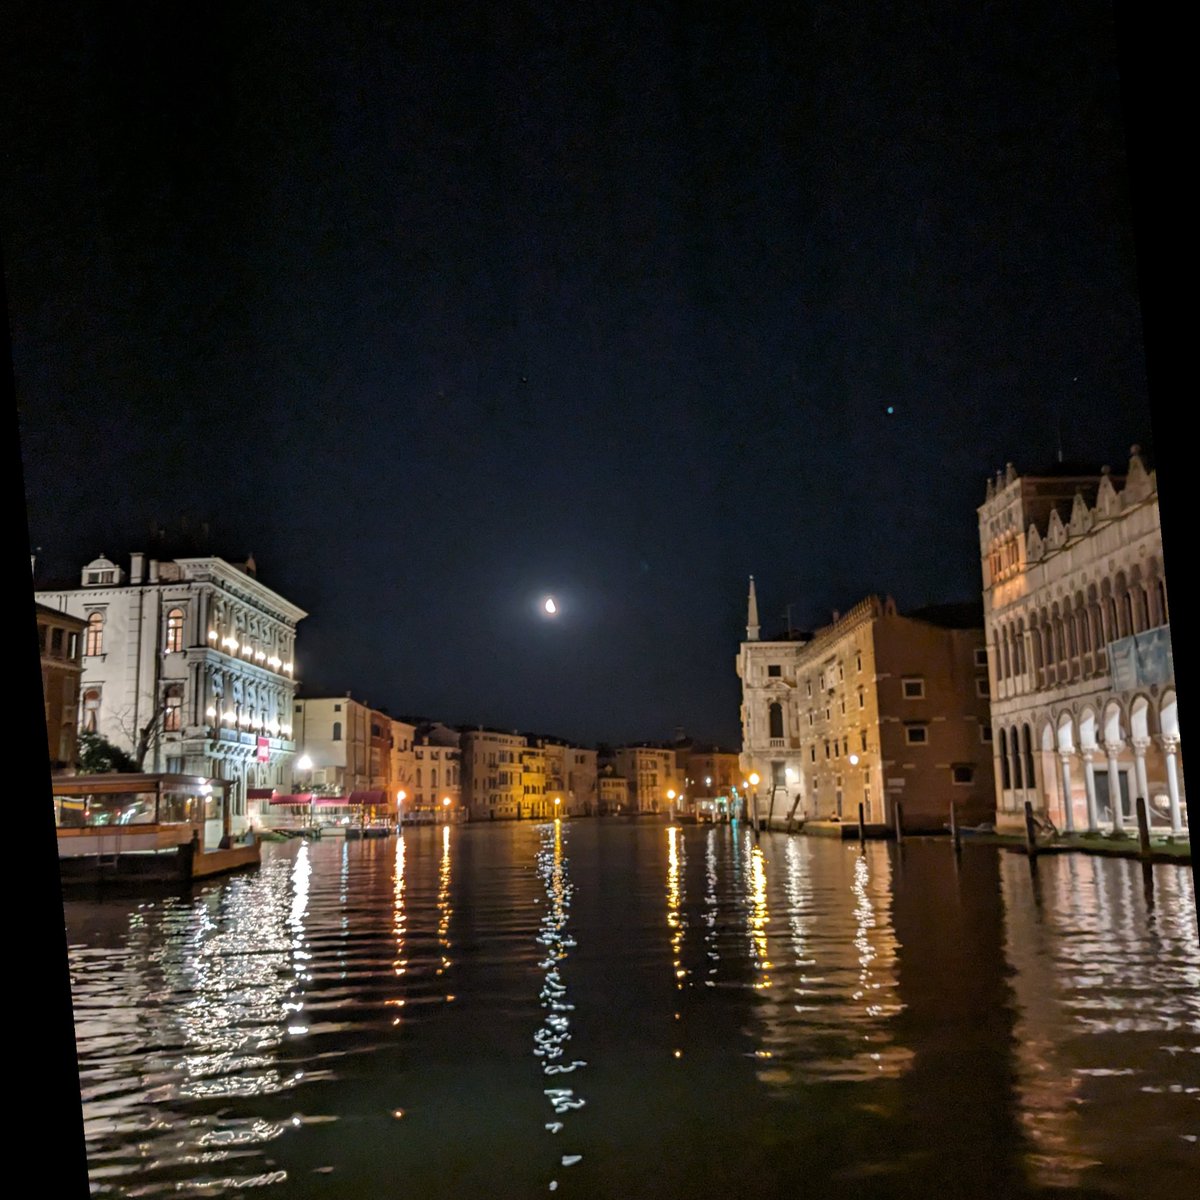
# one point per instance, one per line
(1140, 746)
(1111, 750)
(1170, 749)
(1089, 781)
(1068, 805)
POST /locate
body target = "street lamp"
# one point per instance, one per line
(446, 806)
(671, 797)
(754, 785)
(557, 802)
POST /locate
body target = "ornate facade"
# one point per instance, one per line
(1079, 650)
(189, 665)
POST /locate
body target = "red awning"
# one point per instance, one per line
(259, 793)
(298, 798)
(378, 799)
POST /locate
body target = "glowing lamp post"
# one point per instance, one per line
(671, 797)
(753, 797)
(557, 802)
(446, 806)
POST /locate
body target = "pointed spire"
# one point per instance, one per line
(752, 615)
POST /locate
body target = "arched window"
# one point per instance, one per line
(433, 777)
(1015, 748)
(1005, 778)
(94, 639)
(91, 710)
(775, 720)
(337, 731)
(175, 631)
(1005, 658)
(1027, 736)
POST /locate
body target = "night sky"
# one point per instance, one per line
(440, 308)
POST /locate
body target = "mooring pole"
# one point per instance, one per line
(1143, 828)
(954, 834)
(1030, 831)
(862, 828)
(898, 816)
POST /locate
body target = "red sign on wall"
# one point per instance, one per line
(264, 749)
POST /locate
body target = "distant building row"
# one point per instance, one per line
(188, 666)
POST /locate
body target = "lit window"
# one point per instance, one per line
(916, 735)
(94, 638)
(175, 631)
(914, 689)
(91, 710)
(173, 708)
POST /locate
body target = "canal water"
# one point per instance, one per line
(607, 1008)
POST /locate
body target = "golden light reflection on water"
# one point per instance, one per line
(444, 909)
(1105, 971)
(399, 921)
(676, 921)
(827, 1003)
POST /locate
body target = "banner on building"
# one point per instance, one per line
(1142, 660)
(264, 749)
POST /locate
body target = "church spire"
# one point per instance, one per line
(752, 615)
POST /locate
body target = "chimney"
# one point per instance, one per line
(137, 567)
(153, 576)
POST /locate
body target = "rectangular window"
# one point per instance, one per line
(73, 646)
(981, 688)
(916, 735)
(985, 733)
(808, 684)
(774, 670)
(858, 662)
(914, 688)
(981, 656)
(963, 774)
(56, 642)
(813, 753)
(863, 736)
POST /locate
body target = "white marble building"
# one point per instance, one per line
(1083, 689)
(189, 665)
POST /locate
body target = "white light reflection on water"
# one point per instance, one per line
(194, 1007)
(551, 1040)
(1106, 975)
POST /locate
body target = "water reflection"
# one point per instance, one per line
(194, 1009)
(551, 1040)
(1108, 997)
(444, 908)
(827, 1003)
(676, 895)
(399, 926)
